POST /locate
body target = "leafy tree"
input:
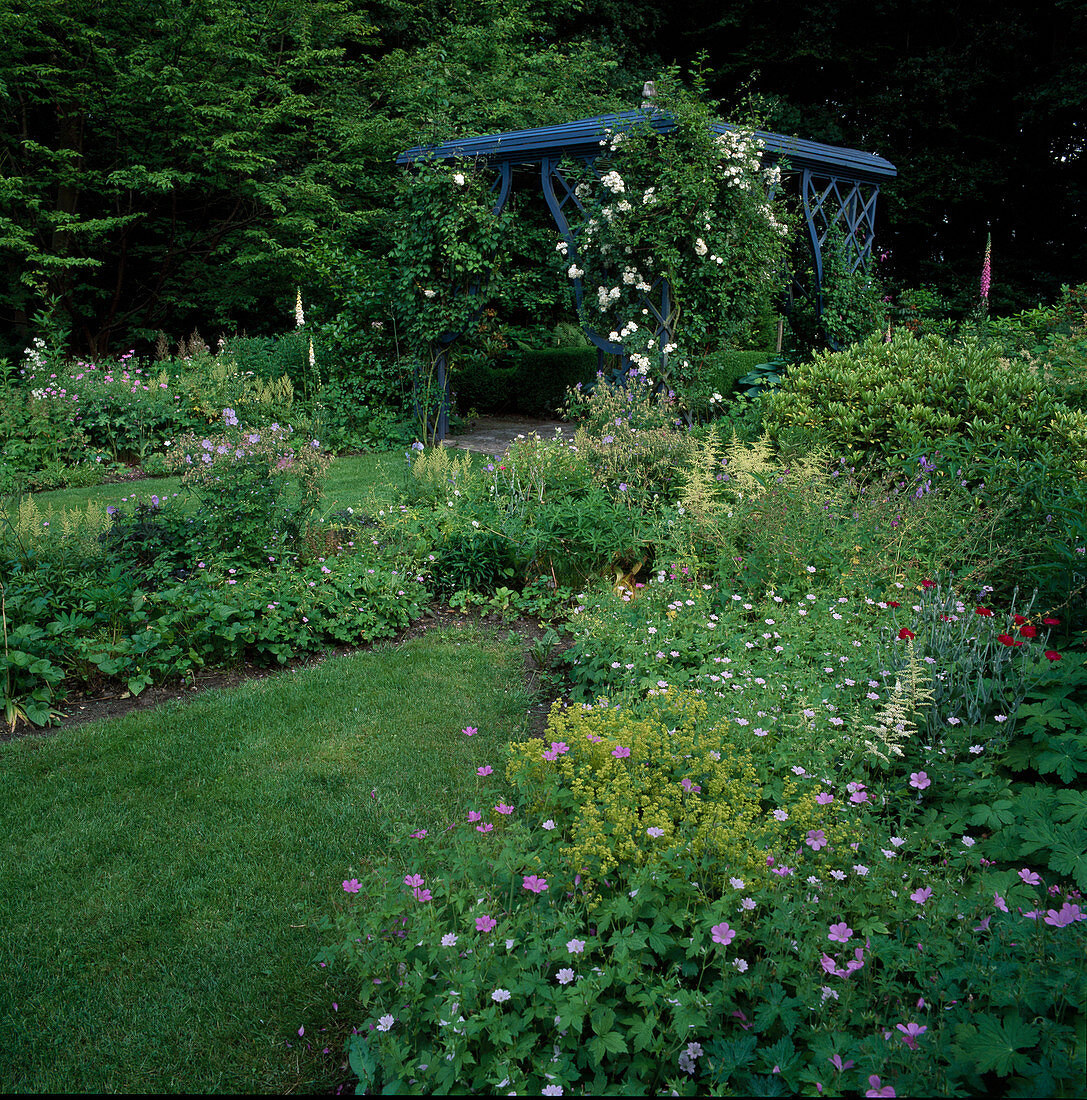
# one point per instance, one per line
(170, 164)
(979, 104)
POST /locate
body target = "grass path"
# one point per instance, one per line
(162, 873)
(351, 480)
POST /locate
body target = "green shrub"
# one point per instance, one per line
(528, 383)
(539, 510)
(759, 930)
(484, 384)
(922, 312)
(1031, 330)
(543, 377)
(894, 399)
(270, 358)
(255, 488)
(718, 378)
(207, 384)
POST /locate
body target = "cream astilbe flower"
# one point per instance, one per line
(893, 723)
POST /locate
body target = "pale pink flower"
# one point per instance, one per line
(817, 839)
(910, 1033)
(840, 932)
(722, 934)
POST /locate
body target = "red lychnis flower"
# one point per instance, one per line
(983, 611)
(926, 583)
(1007, 639)
(1028, 631)
(1052, 622)
(905, 633)
(1052, 654)
(893, 603)
(1019, 619)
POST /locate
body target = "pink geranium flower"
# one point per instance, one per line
(534, 883)
(911, 1032)
(722, 934)
(817, 839)
(840, 932)
(1066, 915)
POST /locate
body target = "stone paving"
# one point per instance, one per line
(493, 434)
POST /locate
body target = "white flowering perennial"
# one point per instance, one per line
(613, 182)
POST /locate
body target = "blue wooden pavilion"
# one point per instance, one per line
(835, 185)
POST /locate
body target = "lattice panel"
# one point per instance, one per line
(849, 204)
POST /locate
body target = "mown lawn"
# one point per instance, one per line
(163, 873)
(351, 481)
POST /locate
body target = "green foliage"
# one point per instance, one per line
(684, 967)
(984, 662)
(255, 489)
(1051, 721)
(273, 358)
(446, 239)
(628, 402)
(688, 206)
(149, 612)
(893, 400)
(721, 373)
(923, 311)
(529, 383)
(538, 511)
(187, 184)
(853, 301)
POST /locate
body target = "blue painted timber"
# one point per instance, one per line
(582, 138)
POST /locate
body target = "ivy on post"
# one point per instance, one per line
(447, 235)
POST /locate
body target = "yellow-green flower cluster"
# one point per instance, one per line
(626, 788)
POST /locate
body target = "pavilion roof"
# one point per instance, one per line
(582, 137)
